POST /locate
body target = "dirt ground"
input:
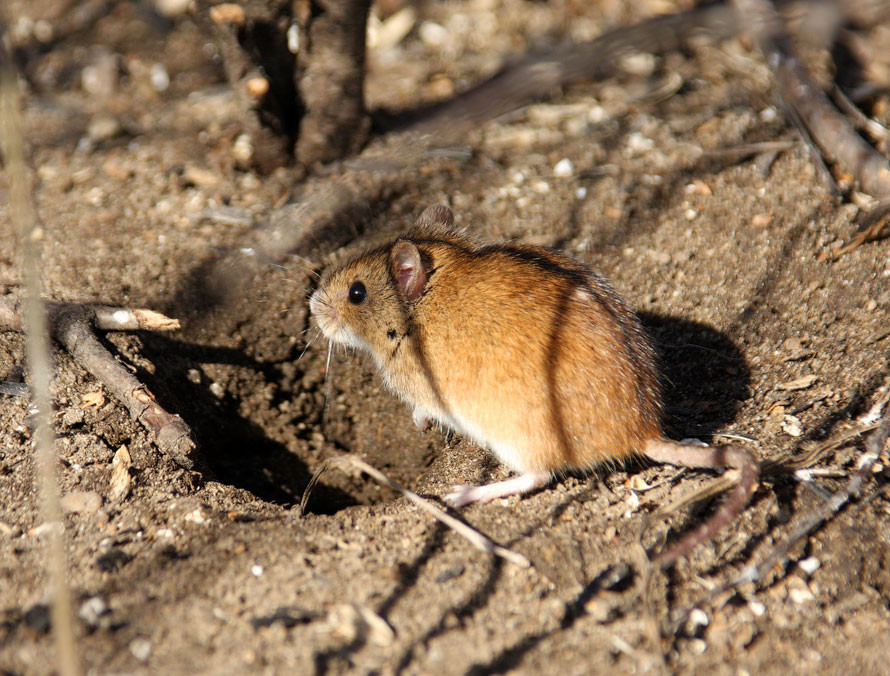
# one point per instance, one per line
(134, 141)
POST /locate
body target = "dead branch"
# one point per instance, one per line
(350, 463)
(874, 444)
(802, 94)
(72, 326)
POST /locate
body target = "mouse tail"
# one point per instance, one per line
(688, 455)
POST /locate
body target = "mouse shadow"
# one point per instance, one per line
(231, 448)
(704, 376)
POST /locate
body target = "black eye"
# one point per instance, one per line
(357, 293)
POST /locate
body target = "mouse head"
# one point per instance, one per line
(368, 302)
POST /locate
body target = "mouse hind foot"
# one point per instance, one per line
(524, 483)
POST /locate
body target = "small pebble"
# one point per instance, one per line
(293, 38)
(102, 127)
(809, 565)
(242, 149)
(92, 610)
(564, 168)
(433, 34)
(80, 502)
(172, 8)
(159, 78)
(257, 570)
(792, 426)
(141, 649)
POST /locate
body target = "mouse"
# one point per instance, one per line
(525, 351)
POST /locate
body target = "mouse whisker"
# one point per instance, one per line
(328, 385)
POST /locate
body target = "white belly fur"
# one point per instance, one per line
(464, 426)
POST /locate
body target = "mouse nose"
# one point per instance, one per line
(324, 312)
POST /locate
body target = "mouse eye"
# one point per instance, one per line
(357, 293)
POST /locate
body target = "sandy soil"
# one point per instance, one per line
(724, 254)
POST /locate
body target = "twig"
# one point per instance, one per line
(874, 444)
(477, 539)
(72, 326)
(802, 94)
(37, 344)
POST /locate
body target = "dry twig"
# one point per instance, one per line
(827, 126)
(72, 325)
(349, 463)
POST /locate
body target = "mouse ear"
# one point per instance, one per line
(437, 217)
(407, 269)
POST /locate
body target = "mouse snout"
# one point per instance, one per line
(324, 312)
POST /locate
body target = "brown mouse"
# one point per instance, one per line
(526, 352)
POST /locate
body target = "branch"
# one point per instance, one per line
(478, 540)
(827, 126)
(72, 326)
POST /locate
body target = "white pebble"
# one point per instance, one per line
(757, 608)
(242, 149)
(160, 80)
(172, 8)
(809, 565)
(217, 390)
(141, 649)
(257, 570)
(581, 193)
(690, 214)
(792, 426)
(293, 38)
(564, 168)
(697, 618)
(433, 34)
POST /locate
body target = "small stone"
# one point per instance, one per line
(242, 149)
(257, 87)
(227, 12)
(80, 502)
(801, 383)
(141, 649)
(564, 168)
(202, 178)
(159, 78)
(293, 38)
(92, 610)
(792, 426)
(217, 390)
(697, 618)
(45, 528)
(257, 570)
(119, 485)
(433, 34)
(172, 8)
(197, 516)
(809, 565)
(100, 77)
(102, 127)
